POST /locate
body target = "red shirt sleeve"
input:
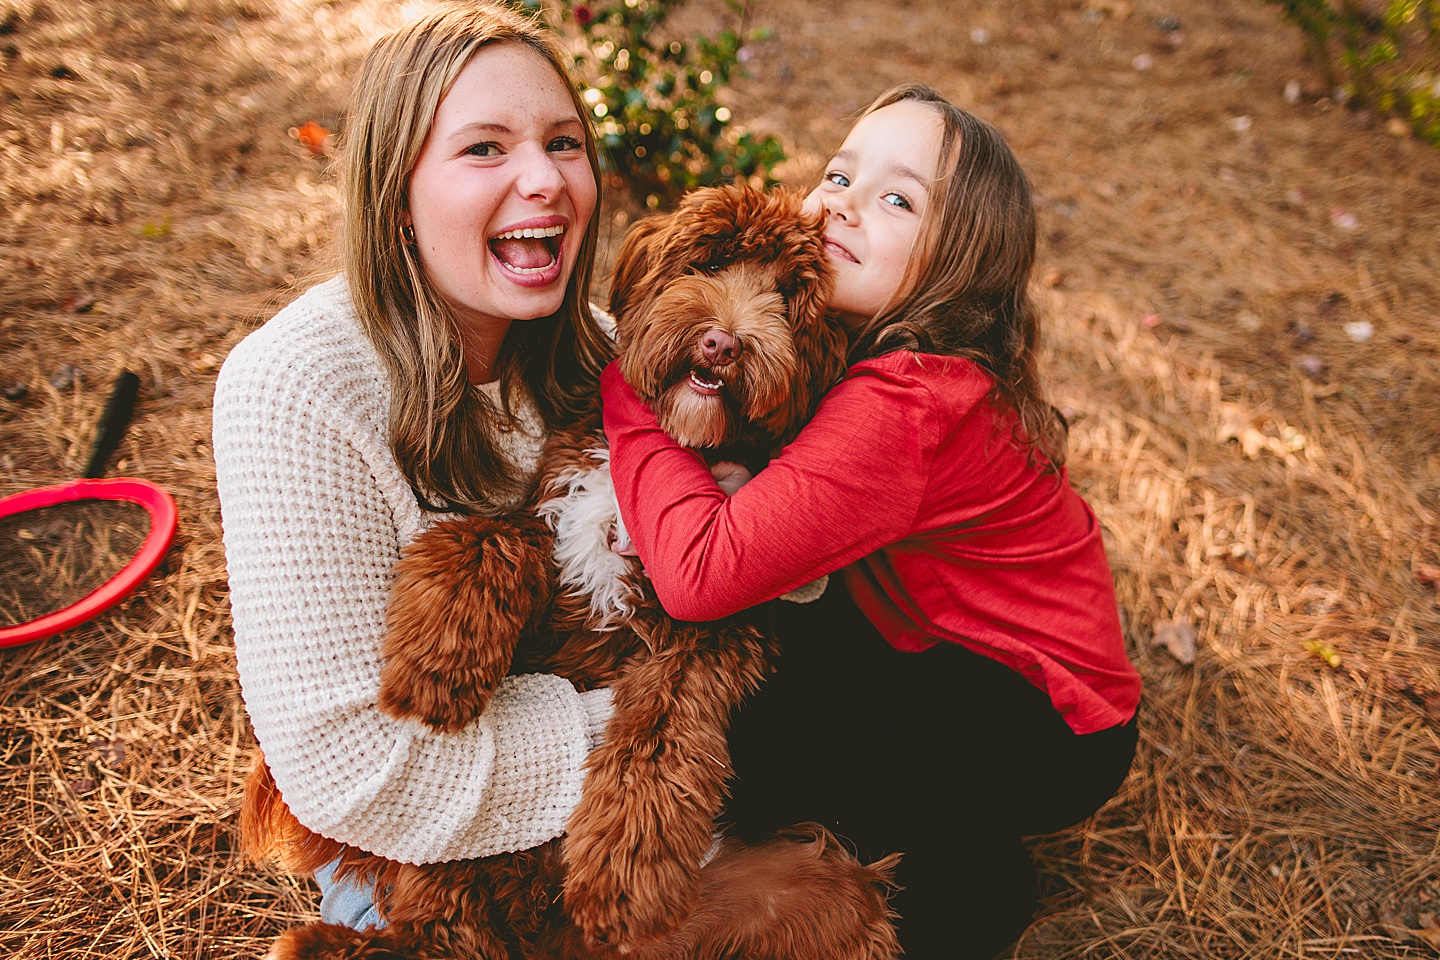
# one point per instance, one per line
(850, 484)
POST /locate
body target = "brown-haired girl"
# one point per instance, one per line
(966, 684)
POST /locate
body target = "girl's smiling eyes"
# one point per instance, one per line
(894, 198)
(489, 148)
(897, 199)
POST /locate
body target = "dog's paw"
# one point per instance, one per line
(433, 701)
(465, 593)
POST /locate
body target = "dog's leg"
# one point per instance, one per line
(645, 821)
(465, 591)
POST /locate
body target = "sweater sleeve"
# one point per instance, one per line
(850, 484)
(311, 511)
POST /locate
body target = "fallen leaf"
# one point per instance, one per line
(1177, 637)
(1359, 330)
(1395, 924)
(111, 753)
(66, 377)
(1398, 682)
(1235, 424)
(1323, 650)
(1429, 574)
(1119, 9)
(314, 137)
(1310, 365)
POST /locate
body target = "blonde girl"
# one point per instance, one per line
(418, 384)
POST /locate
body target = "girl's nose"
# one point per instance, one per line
(838, 205)
(826, 206)
(539, 176)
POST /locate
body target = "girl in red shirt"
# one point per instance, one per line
(965, 683)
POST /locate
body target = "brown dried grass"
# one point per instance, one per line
(155, 208)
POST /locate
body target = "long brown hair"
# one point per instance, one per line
(967, 286)
(444, 434)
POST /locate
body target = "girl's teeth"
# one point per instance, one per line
(531, 233)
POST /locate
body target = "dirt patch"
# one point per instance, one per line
(1241, 279)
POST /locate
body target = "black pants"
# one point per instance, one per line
(945, 756)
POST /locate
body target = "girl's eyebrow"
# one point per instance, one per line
(897, 169)
(482, 128)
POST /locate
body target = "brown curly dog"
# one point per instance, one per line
(719, 312)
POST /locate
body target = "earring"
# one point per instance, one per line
(407, 233)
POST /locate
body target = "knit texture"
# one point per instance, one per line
(315, 512)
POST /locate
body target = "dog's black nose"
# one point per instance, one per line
(720, 346)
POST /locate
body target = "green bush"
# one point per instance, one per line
(1383, 54)
(655, 98)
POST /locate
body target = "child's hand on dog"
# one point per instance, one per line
(730, 476)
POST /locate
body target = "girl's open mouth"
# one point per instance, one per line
(529, 252)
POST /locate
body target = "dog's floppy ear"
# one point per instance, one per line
(806, 281)
(635, 263)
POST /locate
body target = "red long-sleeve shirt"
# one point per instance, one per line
(942, 530)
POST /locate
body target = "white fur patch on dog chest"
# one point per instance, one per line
(584, 516)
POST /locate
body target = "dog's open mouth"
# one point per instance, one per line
(706, 382)
(528, 251)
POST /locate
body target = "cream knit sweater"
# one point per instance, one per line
(315, 512)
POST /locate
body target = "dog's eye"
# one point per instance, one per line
(708, 268)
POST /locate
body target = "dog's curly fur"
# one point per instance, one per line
(748, 267)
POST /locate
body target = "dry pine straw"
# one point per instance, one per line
(154, 207)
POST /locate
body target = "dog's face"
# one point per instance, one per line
(720, 311)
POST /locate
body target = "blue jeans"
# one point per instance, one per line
(349, 902)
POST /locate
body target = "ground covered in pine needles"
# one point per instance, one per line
(1241, 282)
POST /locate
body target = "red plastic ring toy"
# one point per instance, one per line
(163, 517)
